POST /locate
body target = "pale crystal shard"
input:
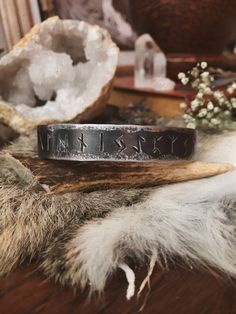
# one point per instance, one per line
(150, 65)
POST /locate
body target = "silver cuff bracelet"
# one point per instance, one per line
(106, 142)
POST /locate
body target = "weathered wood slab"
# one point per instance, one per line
(62, 176)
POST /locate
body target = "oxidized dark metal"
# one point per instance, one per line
(114, 142)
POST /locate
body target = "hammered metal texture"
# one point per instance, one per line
(114, 142)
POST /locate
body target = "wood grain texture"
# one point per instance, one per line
(26, 291)
(63, 176)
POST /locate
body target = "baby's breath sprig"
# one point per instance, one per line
(209, 108)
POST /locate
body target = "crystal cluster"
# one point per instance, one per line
(150, 65)
(60, 70)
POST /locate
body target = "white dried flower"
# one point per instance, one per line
(203, 65)
(195, 104)
(202, 86)
(207, 91)
(181, 75)
(195, 72)
(218, 94)
(228, 104)
(233, 102)
(209, 115)
(186, 116)
(200, 95)
(204, 121)
(210, 105)
(195, 83)
(183, 105)
(203, 110)
(233, 85)
(215, 121)
(230, 90)
(185, 80)
(202, 113)
(191, 125)
(222, 100)
(205, 74)
(216, 110)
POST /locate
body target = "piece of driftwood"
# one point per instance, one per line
(62, 176)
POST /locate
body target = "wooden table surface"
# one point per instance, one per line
(177, 290)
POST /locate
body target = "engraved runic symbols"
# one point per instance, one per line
(156, 149)
(186, 146)
(173, 139)
(63, 144)
(83, 145)
(101, 144)
(120, 143)
(45, 143)
(140, 140)
(49, 138)
(41, 142)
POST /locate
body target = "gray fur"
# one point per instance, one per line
(30, 218)
(83, 238)
(195, 220)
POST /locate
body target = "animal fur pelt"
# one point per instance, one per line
(83, 238)
(30, 217)
(194, 220)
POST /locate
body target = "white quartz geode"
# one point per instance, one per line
(61, 71)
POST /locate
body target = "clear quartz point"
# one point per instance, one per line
(150, 65)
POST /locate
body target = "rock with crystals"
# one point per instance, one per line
(150, 65)
(61, 71)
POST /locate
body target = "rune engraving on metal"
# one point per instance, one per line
(106, 142)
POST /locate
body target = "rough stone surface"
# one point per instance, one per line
(61, 71)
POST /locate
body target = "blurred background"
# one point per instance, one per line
(186, 30)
